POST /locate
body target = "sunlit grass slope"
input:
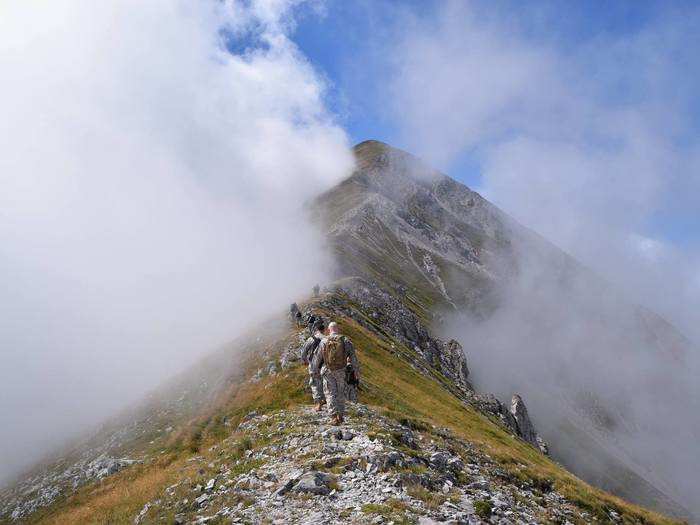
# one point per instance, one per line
(389, 383)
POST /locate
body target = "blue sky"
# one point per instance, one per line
(333, 41)
(343, 45)
(580, 119)
(136, 155)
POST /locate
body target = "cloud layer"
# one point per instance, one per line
(591, 143)
(152, 183)
(597, 134)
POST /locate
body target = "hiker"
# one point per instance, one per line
(308, 352)
(295, 314)
(311, 323)
(317, 290)
(330, 361)
(352, 382)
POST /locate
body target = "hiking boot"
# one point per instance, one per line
(341, 420)
(335, 420)
(319, 406)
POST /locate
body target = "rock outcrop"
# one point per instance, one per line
(445, 361)
(526, 429)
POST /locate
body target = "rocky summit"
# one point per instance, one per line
(235, 439)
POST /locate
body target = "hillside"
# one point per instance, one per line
(234, 439)
(254, 435)
(458, 260)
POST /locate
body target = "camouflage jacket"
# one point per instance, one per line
(317, 361)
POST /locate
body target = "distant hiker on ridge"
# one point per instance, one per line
(311, 323)
(295, 314)
(308, 352)
(352, 382)
(330, 362)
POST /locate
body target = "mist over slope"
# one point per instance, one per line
(152, 182)
(613, 381)
(414, 250)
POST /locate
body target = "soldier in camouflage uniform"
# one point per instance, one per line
(330, 361)
(308, 351)
(352, 382)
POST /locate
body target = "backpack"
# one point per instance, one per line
(334, 353)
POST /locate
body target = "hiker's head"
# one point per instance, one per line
(319, 326)
(333, 328)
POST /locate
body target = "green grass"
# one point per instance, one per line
(483, 508)
(432, 500)
(393, 510)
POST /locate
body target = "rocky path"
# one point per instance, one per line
(294, 467)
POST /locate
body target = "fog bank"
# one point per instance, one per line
(581, 354)
(155, 157)
(589, 139)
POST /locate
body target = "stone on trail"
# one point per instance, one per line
(201, 500)
(314, 482)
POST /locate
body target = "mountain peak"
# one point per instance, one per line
(231, 440)
(370, 143)
(375, 156)
(370, 152)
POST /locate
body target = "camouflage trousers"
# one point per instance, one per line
(334, 386)
(316, 384)
(351, 392)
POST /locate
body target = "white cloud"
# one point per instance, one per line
(561, 148)
(586, 143)
(650, 249)
(151, 192)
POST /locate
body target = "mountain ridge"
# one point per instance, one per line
(456, 251)
(403, 264)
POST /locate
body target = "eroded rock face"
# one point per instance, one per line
(453, 356)
(526, 429)
(392, 317)
(380, 311)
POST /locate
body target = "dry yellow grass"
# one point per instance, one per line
(117, 499)
(390, 383)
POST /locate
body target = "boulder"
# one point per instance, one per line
(314, 482)
(438, 460)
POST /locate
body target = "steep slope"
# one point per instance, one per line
(445, 249)
(402, 224)
(251, 452)
(233, 440)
